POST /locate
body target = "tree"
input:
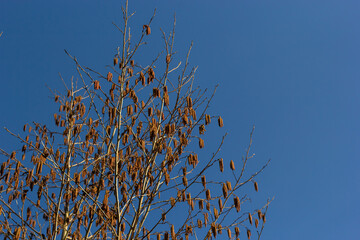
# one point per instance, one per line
(122, 161)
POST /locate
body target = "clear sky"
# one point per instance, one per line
(289, 67)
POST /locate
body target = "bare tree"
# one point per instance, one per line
(122, 161)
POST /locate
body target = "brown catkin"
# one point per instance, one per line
(201, 204)
(213, 229)
(201, 143)
(147, 29)
(229, 233)
(232, 165)
(220, 122)
(201, 129)
(220, 204)
(256, 223)
(256, 186)
(203, 181)
(185, 181)
(250, 219)
(109, 76)
(96, 85)
(208, 196)
(228, 184)
(248, 232)
(207, 119)
(173, 232)
(237, 231)
(237, 203)
(116, 60)
(216, 213)
(225, 190)
(221, 164)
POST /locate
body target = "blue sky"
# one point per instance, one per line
(289, 67)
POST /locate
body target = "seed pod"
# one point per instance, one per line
(232, 165)
(220, 122)
(250, 218)
(201, 143)
(132, 63)
(225, 190)
(201, 129)
(109, 76)
(208, 196)
(158, 236)
(221, 165)
(168, 58)
(237, 203)
(248, 232)
(256, 186)
(263, 218)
